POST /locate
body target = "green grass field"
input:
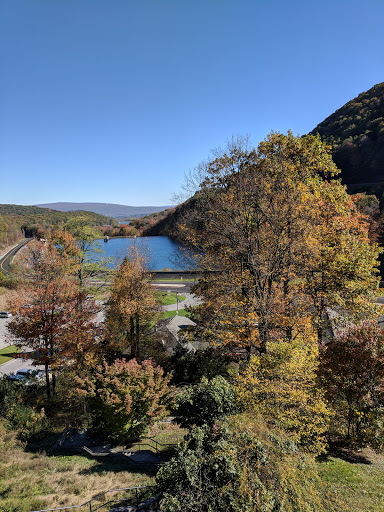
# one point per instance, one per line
(169, 314)
(358, 480)
(167, 299)
(7, 353)
(35, 477)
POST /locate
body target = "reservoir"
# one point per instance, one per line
(160, 251)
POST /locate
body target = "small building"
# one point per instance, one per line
(173, 333)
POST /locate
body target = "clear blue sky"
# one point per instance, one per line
(113, 100)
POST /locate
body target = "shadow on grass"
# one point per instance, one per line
(116, 466)
(346, 454)
(8, 355)
(100, 464)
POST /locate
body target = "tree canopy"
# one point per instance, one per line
(278, 241)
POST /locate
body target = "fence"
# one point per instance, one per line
(136, 499)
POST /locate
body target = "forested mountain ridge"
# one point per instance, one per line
(356, 133)
(34, 221)
(108, 209)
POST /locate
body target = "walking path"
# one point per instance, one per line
(190, 300)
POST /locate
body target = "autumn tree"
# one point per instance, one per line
(126, 397)
(52, 316)
(132, 304)
(281, 385)
(352, 374)
(279, 241)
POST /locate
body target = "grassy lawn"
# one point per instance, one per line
(7, 353)
(36, 477)
(167, 299)
(358, 481)
(168, 314)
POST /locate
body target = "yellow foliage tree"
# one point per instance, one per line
(281, 386)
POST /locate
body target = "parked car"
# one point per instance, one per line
(27, 376)
(5, 314)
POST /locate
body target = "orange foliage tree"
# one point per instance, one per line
(126, 397)
(52, 316)
(132, 304)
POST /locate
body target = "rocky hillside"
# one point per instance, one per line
(356, 134)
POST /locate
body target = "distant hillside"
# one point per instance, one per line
(168, 224)
(356, 134)
(107, 209)
(34, 221)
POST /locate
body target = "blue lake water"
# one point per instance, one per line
(161, 251)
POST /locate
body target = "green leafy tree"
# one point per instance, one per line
(125, 397)
(86, 237)
(205, 403)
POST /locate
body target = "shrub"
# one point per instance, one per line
(9, 282)
(190, 367)
(241, 466)
(27, 421)
(205, 403)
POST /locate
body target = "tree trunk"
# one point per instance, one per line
(132, 336)
(53, 383)
(48, 387)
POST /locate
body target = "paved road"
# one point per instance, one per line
(190, 300)
(17, 364)
(3, 332)
(6, 260)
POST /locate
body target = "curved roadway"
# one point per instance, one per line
(5, 261)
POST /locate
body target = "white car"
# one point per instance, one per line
(5, 314)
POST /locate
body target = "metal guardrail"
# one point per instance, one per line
(89, 502)
(155, 444)
(136, 447)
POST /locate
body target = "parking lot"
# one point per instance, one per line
(15, 364)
